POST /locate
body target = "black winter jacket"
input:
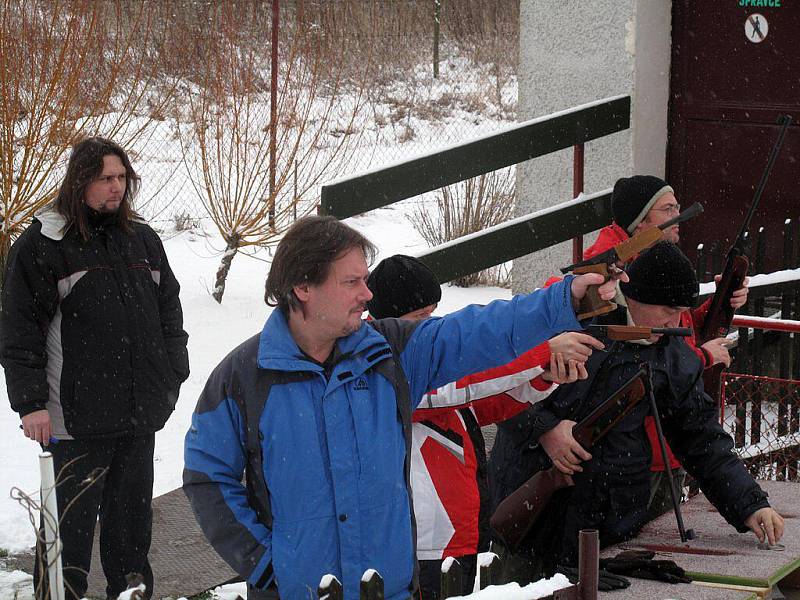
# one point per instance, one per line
(92, 330)
(612, 492)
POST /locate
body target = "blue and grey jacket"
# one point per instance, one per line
(333, 451)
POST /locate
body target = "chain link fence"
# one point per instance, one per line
(406, 111)
(762, 415)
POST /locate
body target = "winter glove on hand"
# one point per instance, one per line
(606, 581)
(640, 564)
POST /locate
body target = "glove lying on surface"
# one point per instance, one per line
(640, 564)
(606, 581)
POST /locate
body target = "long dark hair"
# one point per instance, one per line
(85, 165)
(305, 255)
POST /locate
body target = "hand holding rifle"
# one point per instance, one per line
(562, 371)
(739, 295)
(718, 351)
(595, 285)
(569, 351)
(516, 514)
(575, 345)
(607, 264)
(563, 449)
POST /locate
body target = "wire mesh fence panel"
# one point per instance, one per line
(409, 105)
(421, 78)
(761, 415)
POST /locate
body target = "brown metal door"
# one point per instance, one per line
(726, 93)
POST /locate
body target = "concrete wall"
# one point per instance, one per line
(572, 52)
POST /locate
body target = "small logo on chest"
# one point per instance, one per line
(361, 384)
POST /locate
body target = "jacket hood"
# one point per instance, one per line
(54, 225)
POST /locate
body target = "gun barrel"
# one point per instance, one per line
(633, 332)
(691, 212)
(681, 331)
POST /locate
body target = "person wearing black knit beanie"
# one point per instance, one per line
(662, 275)
(402, 285)
(646, 201)
(615, 491)
(641, 201)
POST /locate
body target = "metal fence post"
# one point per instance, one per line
(52, 538)
(588, 560)
(577, 189)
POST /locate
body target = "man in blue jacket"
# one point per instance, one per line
(315, 410)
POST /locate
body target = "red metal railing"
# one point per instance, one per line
(577, 190)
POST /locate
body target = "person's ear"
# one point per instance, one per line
(302, 292)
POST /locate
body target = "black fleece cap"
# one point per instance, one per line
(662, 275)
(633, 197)
(401, 284)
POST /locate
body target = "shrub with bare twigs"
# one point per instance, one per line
(226, 134)
(468, 207)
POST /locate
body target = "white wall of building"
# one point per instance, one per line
(572, 52)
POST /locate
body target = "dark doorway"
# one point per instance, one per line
(726, 92)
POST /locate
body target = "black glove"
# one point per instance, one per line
(640, 564)
(606, 581)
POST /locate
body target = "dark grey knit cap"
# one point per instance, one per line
(633, 197)
(401, 284)
(662, 275)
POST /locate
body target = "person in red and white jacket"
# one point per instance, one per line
(645, 201)
(448, 461)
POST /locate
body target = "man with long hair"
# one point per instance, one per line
(94, 352)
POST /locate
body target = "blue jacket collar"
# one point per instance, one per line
(278, 350)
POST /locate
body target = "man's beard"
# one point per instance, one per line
(107, 210)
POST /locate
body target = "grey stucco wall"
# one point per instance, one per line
(572, 52)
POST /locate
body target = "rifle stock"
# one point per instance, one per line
(519, 512)
(720, 313)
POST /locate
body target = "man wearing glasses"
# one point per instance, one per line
(637, 203)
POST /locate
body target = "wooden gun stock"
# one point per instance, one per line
(519, 512)
(592, 305)
(720, 313)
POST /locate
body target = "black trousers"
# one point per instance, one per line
(112, 478)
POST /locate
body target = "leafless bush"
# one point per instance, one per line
(468, 207)
(182, 221)
(228, 136)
